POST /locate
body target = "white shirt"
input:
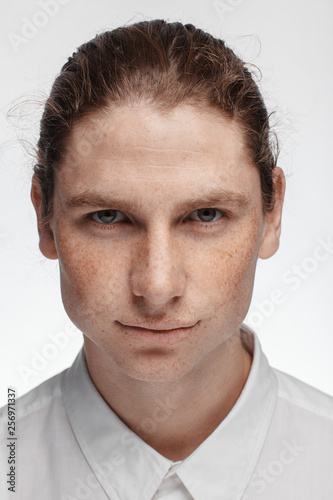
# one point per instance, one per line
(276, 443)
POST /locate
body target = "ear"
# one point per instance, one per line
(46, 239)
(272, 223)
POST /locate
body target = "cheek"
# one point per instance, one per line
(228, 271)
(90, 273)
(94, 273)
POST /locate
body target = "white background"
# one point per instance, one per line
(291, 42)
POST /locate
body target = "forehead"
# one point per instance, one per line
(138, 147)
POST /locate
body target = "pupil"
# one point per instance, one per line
(208, 213)
(107, 214)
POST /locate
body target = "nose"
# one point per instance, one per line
(157, 272)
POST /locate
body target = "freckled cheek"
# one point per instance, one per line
(88, 266)
(231, 272)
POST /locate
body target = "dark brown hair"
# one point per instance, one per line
(163, 65)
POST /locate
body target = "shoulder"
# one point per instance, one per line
(305, 415)
(297, 457)
(303, 397)
(37, 401)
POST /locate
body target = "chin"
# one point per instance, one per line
(154, 365)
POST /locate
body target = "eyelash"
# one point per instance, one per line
(112, 226)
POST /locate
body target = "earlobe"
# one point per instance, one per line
(47, 244)
(46, 237)
(272, 225)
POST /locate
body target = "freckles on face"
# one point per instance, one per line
(91, 276)
(159, 259)
(225, 272)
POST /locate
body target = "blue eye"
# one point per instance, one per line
(107, 216)
(110, 217)
(208, 214)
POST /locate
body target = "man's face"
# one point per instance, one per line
(157, 220)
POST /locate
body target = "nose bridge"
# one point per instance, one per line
(157, 272)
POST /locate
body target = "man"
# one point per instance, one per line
(158, 227)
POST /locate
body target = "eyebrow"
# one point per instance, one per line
(93, 199)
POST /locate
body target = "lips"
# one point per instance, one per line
(160, 327)
(172, 333)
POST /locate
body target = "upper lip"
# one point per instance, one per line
(161, 326)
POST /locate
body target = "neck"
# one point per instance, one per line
(175, 417)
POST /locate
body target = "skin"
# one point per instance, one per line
(161, 262)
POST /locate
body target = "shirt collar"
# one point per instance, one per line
(222, 466)
(126, 467)
(129, 469)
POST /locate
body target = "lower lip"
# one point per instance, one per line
(160, 337)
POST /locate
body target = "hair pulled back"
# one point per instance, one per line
(163, 64)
